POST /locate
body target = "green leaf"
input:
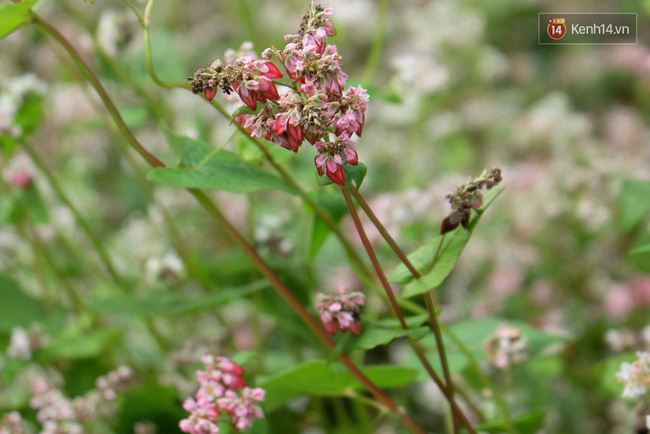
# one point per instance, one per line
(334, 204)
(14, 15)
(31, 202)
(453, 244)
(390, 375)
(170, 303)
(473, 334)
(528, 423)
(354, 175)
(317, 377)
(206, 167)
(606, 370)
(245, 110)
(640, 250)
(372, 337)
(633, 202)
(74, 345)
(16, 307)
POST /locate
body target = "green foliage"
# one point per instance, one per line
(453, 244)
(203, 166)
(334, 204)
(528, 423)
(16, 307)
(634, 203)
(170, 303)
(372, 337)
(14, 16)
(316, 377)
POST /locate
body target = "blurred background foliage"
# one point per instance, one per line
(455, 86)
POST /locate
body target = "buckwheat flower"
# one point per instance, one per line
(352, 109)
(340, 311)
(635, 376)
(20, 346)
(12, 423)
(332, 155)
(507, 346)
(203, 419)
(243, 407)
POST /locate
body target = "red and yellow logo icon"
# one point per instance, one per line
(556, 28)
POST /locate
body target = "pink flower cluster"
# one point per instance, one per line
(221, 389)
(315, 106)
(57, 413)
(341, 311)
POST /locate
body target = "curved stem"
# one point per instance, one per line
(81, 221)
(92, 78)
(373, 259)
(231, 232)
(428, 297)
(447, 390)
(375, 51)
(498, 399)
(147, 51)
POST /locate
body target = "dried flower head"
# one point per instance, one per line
(467, 197)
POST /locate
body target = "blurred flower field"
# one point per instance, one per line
(117, 286)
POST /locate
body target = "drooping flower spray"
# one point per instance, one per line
(315, 105)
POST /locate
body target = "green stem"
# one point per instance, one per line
(429, 299)
(297, 306)
(377, 46)
(135, 11)
(373, 259)
(81, 221)
(317, 209)
(94, 81)
(498, 399)
(74, 297)
(232, 233)
(147, 51)
(447, 390)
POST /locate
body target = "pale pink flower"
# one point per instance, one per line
(340, 311)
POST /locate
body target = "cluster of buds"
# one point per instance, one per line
(467, 197)
(507, 346)
(636, 376)
(58, 414)
(315, 106)
(12, 423)
(340, 311)
(221, 389)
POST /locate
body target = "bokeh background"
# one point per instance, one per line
(456, 86)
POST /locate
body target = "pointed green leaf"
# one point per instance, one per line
(334, 204)
(16, 307)
(170, 303)
(453, 244)
(422, 257)
(203, 166)
(317, 377)
(372, 337)
(640, 250)
(75, 346)
(634, 203)
(14, 15)
(528, 423)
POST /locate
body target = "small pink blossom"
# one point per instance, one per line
(340, 311)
